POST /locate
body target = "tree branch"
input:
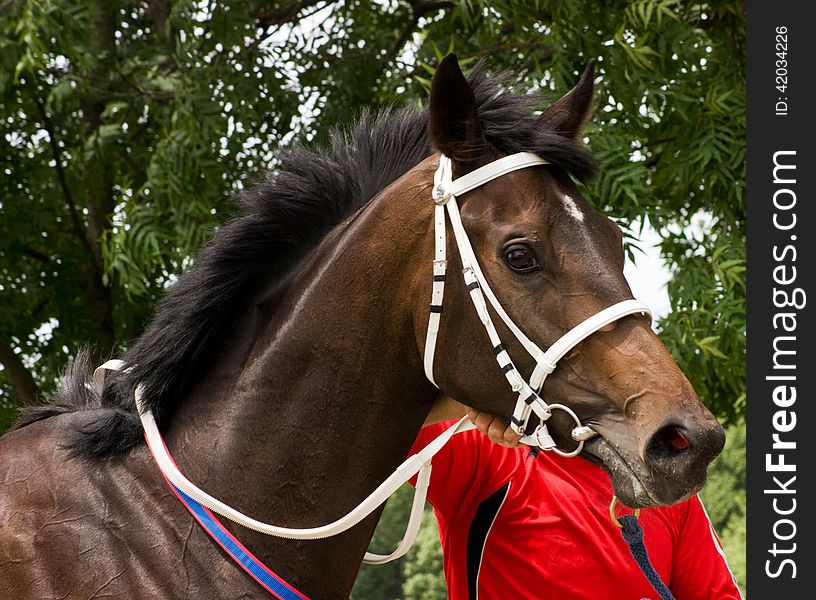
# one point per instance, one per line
(99, 173)
(36, 254)
(56, 154)
(419, 8)
(158, 11)
(285, 14)
(545, 48)
(20, 378)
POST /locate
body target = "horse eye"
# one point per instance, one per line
(520, 258)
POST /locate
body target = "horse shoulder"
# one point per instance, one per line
(74, 526)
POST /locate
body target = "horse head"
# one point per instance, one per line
(553, 261)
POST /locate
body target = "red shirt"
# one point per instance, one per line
(518, 525)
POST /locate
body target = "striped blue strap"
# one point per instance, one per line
(274, 584)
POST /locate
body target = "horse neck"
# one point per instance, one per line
(330, 394)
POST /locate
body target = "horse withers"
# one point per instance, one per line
(285, 368)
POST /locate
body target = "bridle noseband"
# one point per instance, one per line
(445, 192)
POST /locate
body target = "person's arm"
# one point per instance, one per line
(700, 570)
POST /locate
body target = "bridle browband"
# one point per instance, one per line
(445, 192)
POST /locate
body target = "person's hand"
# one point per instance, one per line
(495, 428)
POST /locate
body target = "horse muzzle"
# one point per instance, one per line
(671, 466)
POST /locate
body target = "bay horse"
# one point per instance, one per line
(285, 367)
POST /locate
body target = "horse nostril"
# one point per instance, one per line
(678, 453)
(675, 438)
(670, 444)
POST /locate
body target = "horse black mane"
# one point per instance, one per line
(280, 221)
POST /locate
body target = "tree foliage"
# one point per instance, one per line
(383, 582)
(418, 575)
(725, 500)
(125, 128)
(423, 580)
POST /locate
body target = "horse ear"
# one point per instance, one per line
(454, 122)
(570, 113)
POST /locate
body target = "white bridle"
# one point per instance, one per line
(419, 465)
(445, 193)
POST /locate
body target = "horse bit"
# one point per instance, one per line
(529, 401)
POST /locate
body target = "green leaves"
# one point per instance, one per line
(32, 49)
(708, 346)
(724, 499)
(706, 329)
(640, 13)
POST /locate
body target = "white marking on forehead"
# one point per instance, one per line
(572, 208)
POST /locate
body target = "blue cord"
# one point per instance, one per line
(633, 534)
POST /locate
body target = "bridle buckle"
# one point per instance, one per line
(441, 194)
(543, 438)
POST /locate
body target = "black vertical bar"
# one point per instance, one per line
(781, 265)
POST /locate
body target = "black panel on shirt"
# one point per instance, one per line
(477, 535)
